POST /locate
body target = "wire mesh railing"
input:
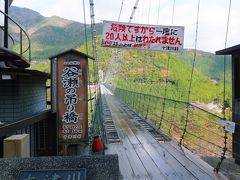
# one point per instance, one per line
(96, 125)
(204, 135)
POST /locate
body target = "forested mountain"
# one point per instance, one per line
(146, 71)
(50, 35)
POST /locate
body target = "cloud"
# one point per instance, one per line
(67, 9)
(34, 4)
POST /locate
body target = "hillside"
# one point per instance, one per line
(148, 72)
(145, 71)
(208, 64)
(50, 35)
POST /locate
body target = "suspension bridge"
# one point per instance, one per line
(144, 151)
(161, 137)
(148, 121)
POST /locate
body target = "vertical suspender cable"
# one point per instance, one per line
(159, 4)
(166, 81)
(94, 49)
(85, 29)
(224, 93)
(173, 11)
(85, 26)
(149, 8)
(120, 13)
(138, 12)
(143, 5)
(224, 76)
(191, 76)
(133, 11)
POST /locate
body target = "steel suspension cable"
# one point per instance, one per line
(191, 76)
(144, 78)
(143, 5)
(115, 53)
(166, 80)
(133, 11)
(144, 65)
(159, 5)
(94, 51)
(173, 11)
(224, 91)
(85, 31)
(120, 13)
(85, 26)
(149, 8)
(150, 92)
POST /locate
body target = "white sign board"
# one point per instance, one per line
(228, 125)
(140, 36)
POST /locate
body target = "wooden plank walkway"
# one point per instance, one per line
(141, 156)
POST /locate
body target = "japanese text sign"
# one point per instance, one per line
(145, 37)
(72, 99)
(228, 125)
(79, 174)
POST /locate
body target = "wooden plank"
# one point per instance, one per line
(138, 155)
(149, 158)
(129, 157)
(172, 170)
(159, 154)
(124, 165)
(194, 160)
(129, 140)
(165, 161)
(188, 165)
(149, 164)
(196, 172)
(138, 167)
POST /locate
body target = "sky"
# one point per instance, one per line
(212, 17)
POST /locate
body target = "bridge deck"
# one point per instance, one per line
(141, 156)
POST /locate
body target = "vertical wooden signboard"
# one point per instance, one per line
(71, 97)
